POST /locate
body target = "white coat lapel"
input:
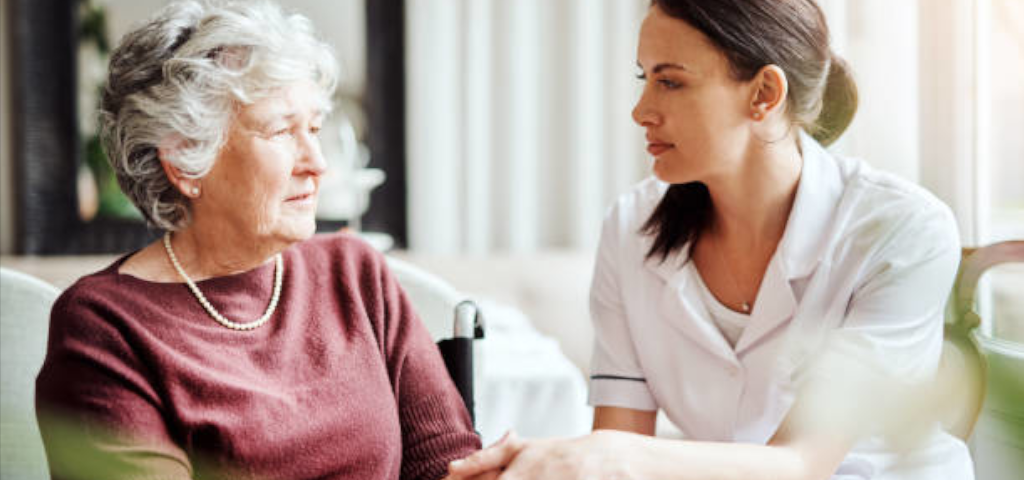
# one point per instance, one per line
(774, 307)
(680, 302)
(802, 245)
(812, 218)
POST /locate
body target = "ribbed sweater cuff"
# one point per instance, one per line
(435, 431)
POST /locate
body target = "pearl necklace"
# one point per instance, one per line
(221, 319)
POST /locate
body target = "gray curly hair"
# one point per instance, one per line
(182, 75)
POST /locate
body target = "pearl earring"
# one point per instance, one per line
(757, 115)
(195, 191)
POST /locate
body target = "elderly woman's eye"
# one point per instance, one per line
(315, 130)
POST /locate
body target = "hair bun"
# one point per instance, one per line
(839, 102)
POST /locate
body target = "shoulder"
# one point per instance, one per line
(91, 292)
(892, 218)
(338, 247)
(631, 209)
(874, 187)
(339, 255)
(623, 245)
(92, 311)
(639, 201)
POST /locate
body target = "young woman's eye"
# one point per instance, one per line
(669, 84)
(641, 76)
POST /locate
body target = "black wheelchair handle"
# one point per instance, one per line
(468, 322)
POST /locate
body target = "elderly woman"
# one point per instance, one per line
(237, 346)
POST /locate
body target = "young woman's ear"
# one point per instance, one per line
(769, 92)
(167, 150)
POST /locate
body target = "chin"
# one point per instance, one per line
(307, 230)
(299, 229)
(666, 174)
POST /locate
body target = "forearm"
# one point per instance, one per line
(618, 455)
(651, 457)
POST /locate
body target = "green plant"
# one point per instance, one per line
(111, 201)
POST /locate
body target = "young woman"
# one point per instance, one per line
(723, 284)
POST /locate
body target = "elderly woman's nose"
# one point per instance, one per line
(311, 159)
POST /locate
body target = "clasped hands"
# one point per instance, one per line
(597, 455)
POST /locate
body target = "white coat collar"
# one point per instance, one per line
(807, 230)
(800, 250)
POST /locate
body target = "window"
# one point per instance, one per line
(1000, 156)
(1000, 51)
(942, 104)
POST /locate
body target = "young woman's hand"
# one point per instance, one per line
(598, 455)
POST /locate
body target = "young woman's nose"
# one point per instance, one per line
(643, 114)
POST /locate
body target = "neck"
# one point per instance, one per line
(214, 252)
(752, 206)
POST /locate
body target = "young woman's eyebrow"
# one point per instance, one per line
(664, 66)
(661, 67)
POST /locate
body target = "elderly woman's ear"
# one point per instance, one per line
(169, 149)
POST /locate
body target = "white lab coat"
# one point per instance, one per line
(863, 252)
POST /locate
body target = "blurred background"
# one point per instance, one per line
(514, 116)
(484, 139)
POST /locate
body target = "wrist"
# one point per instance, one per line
(618, 451)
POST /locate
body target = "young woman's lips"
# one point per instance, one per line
(656, 149)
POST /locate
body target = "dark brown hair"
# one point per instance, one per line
(791, 34)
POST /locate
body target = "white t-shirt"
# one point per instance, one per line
(730, 322)
(863, 254)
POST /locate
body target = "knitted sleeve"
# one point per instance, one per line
(436, 428)
(98, 414)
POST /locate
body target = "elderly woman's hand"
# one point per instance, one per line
(598, 455)
(486, 464)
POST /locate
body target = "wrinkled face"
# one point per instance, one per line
(694, 112)
(266, 178)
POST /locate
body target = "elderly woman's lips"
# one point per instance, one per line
(656, 149)
(301, 198)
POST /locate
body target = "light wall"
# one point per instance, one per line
(879, 39)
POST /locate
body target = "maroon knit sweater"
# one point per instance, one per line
(343, 382)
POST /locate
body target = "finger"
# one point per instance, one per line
(504, 438)
(491, 458)
(491, 475)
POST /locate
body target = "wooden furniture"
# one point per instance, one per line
(964, 371)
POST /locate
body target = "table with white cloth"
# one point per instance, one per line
(524, 381)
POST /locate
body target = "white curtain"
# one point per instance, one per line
(913, 66)
(518, 118)
(934, 106)
(519, 113)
